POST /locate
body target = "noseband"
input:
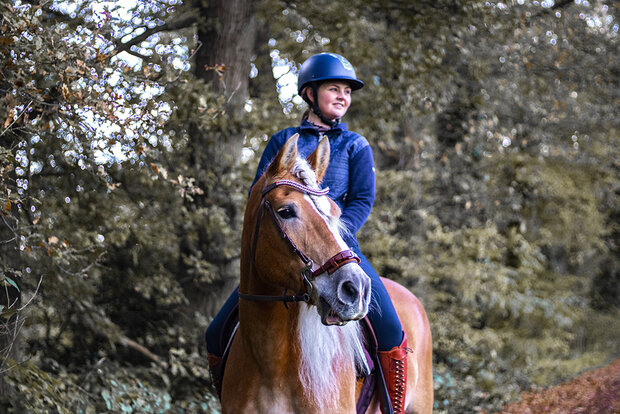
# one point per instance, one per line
(308, 275)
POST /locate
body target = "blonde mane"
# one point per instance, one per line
(323, 348)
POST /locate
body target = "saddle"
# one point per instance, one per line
(367, 384)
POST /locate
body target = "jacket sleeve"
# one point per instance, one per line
(361, 194)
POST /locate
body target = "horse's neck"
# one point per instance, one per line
(269, 331)
(316, 362)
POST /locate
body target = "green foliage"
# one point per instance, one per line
(560, 198)
(107, 387)
(122, 190)
(498, 313)
(42, 392)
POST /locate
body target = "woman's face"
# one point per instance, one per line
(334, 99)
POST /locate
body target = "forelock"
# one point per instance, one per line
(303, 172)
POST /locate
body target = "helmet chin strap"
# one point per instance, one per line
(315, 108)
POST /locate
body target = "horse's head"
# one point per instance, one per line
(296, 241)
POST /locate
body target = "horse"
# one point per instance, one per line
(299, 352)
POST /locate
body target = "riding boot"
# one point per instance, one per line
(215, 368)
(394, 367)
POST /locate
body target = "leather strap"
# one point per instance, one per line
(283, 298)
(338, 260)
(335, 262)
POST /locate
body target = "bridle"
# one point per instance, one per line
(308, 275)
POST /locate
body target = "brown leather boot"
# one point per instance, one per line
(215, 368)
(394, 367)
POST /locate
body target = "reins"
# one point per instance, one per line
(308, 275)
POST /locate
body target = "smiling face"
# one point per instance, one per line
(334, 99)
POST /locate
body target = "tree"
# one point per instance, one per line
(57, 85)
(130, 137)
(225, 33)
(226, 41)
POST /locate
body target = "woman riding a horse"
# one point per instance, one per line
(326, 82)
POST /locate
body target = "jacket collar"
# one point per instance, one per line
(309, 126)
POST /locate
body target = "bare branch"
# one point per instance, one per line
(33, 295)
(561, 4)
(181, 23)
(136, 346)
(16, 118)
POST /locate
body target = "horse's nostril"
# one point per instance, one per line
(348, 292)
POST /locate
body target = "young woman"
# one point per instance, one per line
(326, 81)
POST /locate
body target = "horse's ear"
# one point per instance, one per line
(319, 159)
(285, 160)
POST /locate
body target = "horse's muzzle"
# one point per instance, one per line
(342, 296)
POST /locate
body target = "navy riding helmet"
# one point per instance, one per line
(327, 66)
(322, 67)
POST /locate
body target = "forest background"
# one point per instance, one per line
(130, 132)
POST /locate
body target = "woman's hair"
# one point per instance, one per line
(304, 96)
(306, 114)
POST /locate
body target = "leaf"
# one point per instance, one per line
(8, 281)
(5, 41)
(6, 314)
(9, 119)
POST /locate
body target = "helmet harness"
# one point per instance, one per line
(320, 68)
(314, 105)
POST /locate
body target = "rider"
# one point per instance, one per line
(325, 82)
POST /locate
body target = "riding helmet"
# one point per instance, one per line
(327, 66)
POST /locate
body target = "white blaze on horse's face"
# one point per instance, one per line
(343, 295)
(312, 223)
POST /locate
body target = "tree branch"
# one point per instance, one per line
(141, 349)
(56, 16)
(181, 23)
(561, 4)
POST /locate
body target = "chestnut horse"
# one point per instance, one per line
(296, 353)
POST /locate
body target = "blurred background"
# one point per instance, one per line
(130, 132)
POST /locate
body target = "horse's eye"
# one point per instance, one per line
(287, 212)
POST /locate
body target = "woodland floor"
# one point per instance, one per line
(593, 392)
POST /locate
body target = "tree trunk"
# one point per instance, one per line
(227, 44)
(227, 40)
(223, 59)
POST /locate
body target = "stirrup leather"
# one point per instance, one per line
(215, 369)
(394, 367)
